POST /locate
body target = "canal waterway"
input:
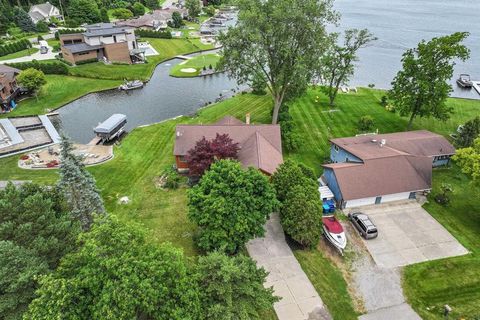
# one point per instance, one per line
(162, 98)
(398, 24)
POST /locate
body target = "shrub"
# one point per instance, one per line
(172, 179)
(468, 133)
(291, 139)
(209, 10)
(42, 26)
(86, 61)
(384, 101)
(154, 34)
(366, 123)
(288, 175)
(301, 214)
(443, 198)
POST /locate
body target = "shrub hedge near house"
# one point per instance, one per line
(154, 34)
(14, 47)
(55, 67)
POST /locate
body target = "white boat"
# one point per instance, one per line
(333, 231)
(464, 81)
(131, 85)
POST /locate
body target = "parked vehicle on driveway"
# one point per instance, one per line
(363, 224)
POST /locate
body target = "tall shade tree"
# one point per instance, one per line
(232, 287)
(469, 160)
(337, 65)
(194, 8)
(278, 40)
(36, 231)
(230, 205)
(421, 89)
(83, 11)
(205, 152)
(81, 193)
(117, 274)
(32, 79)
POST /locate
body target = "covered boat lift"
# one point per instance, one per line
(111, 128)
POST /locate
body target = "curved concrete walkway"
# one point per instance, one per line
(299, 299)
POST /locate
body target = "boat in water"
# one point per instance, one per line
(464, 81)
(111, 128)
(333, 231)
(131, 85)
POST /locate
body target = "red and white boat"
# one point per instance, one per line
(333, 231)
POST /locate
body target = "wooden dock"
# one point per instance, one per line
(476, 85)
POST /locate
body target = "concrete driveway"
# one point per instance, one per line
(408, 235)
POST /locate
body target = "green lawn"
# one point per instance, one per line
(454, 281)
(147, 151)
(58, 91)
(197, 63)
(167, 48)
(19, 54)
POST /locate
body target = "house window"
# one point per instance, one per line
(336, 147)
(182, 159)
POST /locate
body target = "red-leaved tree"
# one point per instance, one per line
(205, 152)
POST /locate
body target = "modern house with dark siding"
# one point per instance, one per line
(373, 169)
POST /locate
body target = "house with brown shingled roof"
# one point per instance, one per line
(260, 145)
(9, 88)
(373, 169)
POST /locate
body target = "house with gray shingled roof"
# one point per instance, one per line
(44, 12)
(373, 169)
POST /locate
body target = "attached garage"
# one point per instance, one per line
(359, 202)
(379, 199)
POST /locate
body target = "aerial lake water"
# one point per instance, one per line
(398, 25)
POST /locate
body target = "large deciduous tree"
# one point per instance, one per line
(193, 7)
(232, 288)
(117, 274)
(279, 40)
(230, 205)
(421, 89)
(36, 231)
(337, 65)
(79, 186)
(83, 11)
(205, 152)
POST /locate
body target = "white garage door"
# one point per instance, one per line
(395, 197)
(360, 202)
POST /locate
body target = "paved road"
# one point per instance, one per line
(37, 56)
(300, 300)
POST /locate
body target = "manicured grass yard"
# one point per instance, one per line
(58, 91)
(197, 63)
(147, 151)
(19, 54)
(454, 281)
(167, 48)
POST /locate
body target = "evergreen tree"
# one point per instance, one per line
(152, 4)
(79, 186)
(36, 231)
(23, 20)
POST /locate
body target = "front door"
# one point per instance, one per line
(378, 200)
(412, 195)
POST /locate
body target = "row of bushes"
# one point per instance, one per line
(67, 31)
(14, 47)
(86, 61)
(55, 67)
(154, 34)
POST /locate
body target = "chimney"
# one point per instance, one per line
(247, 118)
